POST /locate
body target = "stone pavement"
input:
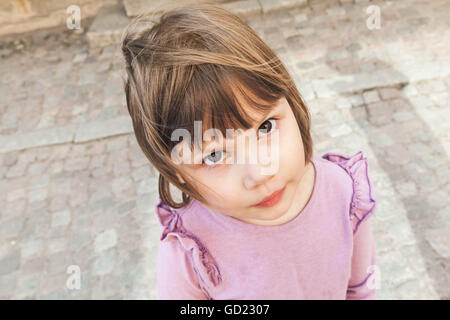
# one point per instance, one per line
(76, 190)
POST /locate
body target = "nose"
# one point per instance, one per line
(253, 176)
(255, 170)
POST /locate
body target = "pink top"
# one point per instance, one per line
(326, 252)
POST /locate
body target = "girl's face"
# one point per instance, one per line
(237, 189)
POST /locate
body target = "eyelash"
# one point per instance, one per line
(212, 166)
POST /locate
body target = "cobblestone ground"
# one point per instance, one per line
(384, 91)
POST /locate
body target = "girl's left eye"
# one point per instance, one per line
(268, 126)
(214, 158)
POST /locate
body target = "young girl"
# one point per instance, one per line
(300, 231)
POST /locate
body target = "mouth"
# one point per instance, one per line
(272, 199)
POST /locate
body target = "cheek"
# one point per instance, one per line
(218, 188)
(292, 153)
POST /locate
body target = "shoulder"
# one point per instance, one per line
(356, 172)
(334, 178)
(178, 243)
(332, 170)
(353, 169)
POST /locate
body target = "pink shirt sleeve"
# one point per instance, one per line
(361, 285)
(176, 278)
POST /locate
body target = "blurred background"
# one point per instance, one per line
(77, 194)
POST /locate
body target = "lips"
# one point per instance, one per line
(271, 199)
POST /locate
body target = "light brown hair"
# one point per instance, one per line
(189, 65)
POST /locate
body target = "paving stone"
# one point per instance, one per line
(407, 189)
(306, 91)
(126, 207)
(437, 238)
(61, 218)
(79, 109)
(16, 171)
(10, 159)
(147, 186)
(79, 239)
(390, 93)
(343, 103)
(272, 6)
(10, 263)
(14, 209)
(32, 247)
(58, 262)
(27, 287)
(409, 290)
(441, 99)
(101, 129)
(36, 228)
(338, 11)
(11, 228)
(438, 199)
(435, 86)
(54, 295)
(55, 245)
(145, 203)
(302, 17)
(37, 138)
(104, 221)
(341, 130)
(105, 262)
(356, 100)
(10, 118)
(118, 143)
(16, 194)
(80, 57)
(432, 161)
(58, 204)
(243, 8)
(394, 269)
(107, 27)
(383, 140)
(409, 91)
(105, 240)
(97, 161)
(121, 168)
(7, 285)
(36, 195)
(444, 215)
(371, 96)
(75, 164)
(54, 282)
(121, 184)
(402, 116)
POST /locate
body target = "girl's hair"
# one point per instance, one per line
(191, 64)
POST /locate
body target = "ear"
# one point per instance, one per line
(180, 178)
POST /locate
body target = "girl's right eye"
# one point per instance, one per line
(267, 127)
(214, 158)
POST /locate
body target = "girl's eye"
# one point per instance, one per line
(268, 126)
(213, 158)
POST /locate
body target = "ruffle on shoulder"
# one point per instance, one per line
(173, 228)
(362, 203)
